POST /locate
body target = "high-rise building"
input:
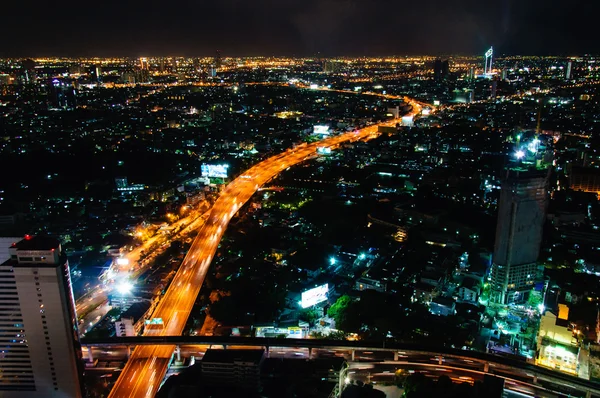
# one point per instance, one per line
(144, 63)
(493, 88)
(489, 54)
(218, 60)
(41, 355)
(521, 215)
(568, 72)
(437, 70)
(97, 73)
(332, 67)
(62, 94)
(28, 73)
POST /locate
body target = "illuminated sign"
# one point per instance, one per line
(426, 111)
(314, 296)
(321, 129)
(154, 321)
(214, 170)
(314, 86)
(407, 120)
(323, 150)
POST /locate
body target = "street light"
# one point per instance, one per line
(332, 260)
(124, 287)
(519, 154)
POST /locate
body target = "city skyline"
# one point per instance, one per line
(407, 214)
(329, 28)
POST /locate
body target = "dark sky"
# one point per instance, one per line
(297, 27)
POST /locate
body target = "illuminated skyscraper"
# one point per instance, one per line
(40, 355)
(487, 69)
(143, 74)
(568, 72)
(521, 216)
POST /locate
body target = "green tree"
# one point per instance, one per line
(535, 299)
(309, 315)
(339, 310)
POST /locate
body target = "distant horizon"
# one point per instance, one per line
(316, 56)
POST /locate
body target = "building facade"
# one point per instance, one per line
(521, 216)
(41, 355)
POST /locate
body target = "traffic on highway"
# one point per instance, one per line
(146, 368)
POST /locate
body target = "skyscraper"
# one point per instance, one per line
(521, 215)
(40, 355)
(568, 72)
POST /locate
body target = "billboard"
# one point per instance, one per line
(214, 170)
(321, 150)
(321, 129)
(314, 296)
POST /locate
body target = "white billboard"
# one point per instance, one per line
(214, 170)
(407, 121)
(321, 129)
(314, 296)
(321, 150)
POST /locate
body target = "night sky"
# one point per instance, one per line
(297, 27)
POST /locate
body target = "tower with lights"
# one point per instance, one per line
(487, 69)
(521, 216)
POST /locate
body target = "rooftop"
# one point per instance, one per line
(231, 356)
(37, 243)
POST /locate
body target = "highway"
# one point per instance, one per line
(374, 361)
(95, 301)
(146, 368)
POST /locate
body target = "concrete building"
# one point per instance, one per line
(521, 216)
(586, 179)
(558, 348)
(469, 290)
(364, 283)
(41, 355)
(125, 327)
(5, 244)
(442, 306)
(233, 367)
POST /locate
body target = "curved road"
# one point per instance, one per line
(148, 365)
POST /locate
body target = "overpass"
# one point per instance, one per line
(399, 353)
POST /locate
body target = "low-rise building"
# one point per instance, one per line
(558, 348)
(423, 293)
(469, 290)
(368, 283)
(442, 306)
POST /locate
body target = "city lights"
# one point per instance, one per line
(345, 193)
(519, 154)
(124, 287)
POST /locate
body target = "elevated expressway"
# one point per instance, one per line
(366, 356)
(148, 365)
